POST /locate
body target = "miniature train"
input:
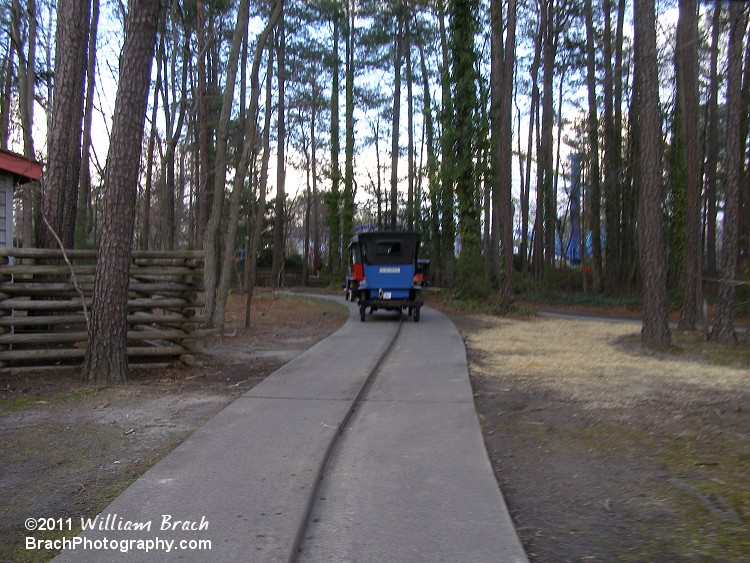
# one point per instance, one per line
(385, 272)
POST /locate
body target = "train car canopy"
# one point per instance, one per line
(389, 248)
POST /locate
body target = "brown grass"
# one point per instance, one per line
(598, 363)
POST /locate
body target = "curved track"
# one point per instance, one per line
(311, 499)
(377, 419)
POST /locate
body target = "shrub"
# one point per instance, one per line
(469, 277)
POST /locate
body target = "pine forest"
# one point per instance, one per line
(592, 147)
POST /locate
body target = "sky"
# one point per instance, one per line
(108, 49)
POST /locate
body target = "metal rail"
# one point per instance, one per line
(312, 496)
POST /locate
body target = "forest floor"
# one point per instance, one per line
(69, 449)
(607, 453)
(603, 452)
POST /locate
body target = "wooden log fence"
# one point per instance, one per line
(42, 319)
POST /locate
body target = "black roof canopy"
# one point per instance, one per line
(389, 247)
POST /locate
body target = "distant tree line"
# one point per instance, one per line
(450, 117)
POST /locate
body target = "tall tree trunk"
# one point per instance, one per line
(314, 157)
(26, 70)
(655, 330)
(7, 90)
(205, 177)
(549, 52)
(230, 237)
(432, 164)
(503, 62)
(744, 248)
(333, 203)
(347, 209)
(26, 93)
(712, 144)
(379, 195)
(49, 81)
(410, 200)
(260, 214)
(447, 172)
(724, 329)
(619, 186)
(563, 70)
(538, 234)
(463, 79)
(107, 352)
(687, 83)
(594, 176)
(84, 220)
(611, 166)
(166, 179)
(60, 197)
(307, 212)
(631, 196)
(393, 220)
(150, 156)
(174, 114)
(211, 238)
(277, 266)
(532, 114)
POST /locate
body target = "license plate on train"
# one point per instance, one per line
(386, 295)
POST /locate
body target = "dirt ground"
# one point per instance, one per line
(606, 453)
(69, 449)
(603, 453)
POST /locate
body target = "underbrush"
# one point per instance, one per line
(494, 305)
(628, 301)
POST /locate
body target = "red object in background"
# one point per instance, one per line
(20, 166)
(358, 272)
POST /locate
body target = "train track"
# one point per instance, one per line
(408, 480)
(311, 500)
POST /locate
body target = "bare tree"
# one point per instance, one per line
(60, 197)
(221, 159)
(260, 213)
(724, 329)
(395, 149)
(277, 266)
(26, 93)
(107, 351)
(503, 62)
(145, 237)
(712, 143)
(687, 94)
(205, 177)
(655, 330)
(594, 177)
(532, 115)
(174, 101)
(84, 219)
(251, 132)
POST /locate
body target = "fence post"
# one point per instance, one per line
(4, 260)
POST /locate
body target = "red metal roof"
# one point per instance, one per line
(20, 166)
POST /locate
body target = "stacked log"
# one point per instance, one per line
(4, 329)
(43, 305)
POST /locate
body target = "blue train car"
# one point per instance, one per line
(389, 264)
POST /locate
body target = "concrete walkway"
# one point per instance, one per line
(409, 480)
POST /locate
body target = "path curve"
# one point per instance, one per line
(245, 478)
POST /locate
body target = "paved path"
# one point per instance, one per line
(409, 480)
